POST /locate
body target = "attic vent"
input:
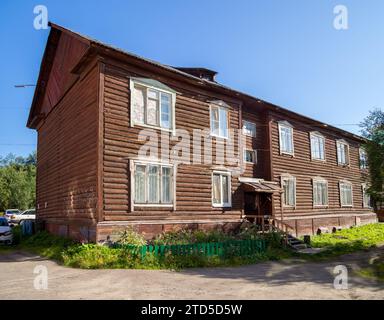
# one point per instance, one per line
(201, 73)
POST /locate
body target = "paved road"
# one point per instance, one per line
(289, 279)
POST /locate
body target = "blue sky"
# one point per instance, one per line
(283, 51)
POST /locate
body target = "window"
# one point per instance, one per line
(317, 146)
(219, 121)
(320, 192)
(286, 138)
(346, 199)
(288, 184)
(367, 203)
(342, 152)
(151, 106)
(250, 156)
(221, 189)
(153, 184)
(363, 159)
(249, 128)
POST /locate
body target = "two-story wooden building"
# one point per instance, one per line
(126, 141)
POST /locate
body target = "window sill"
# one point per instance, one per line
(347, 206)
(319, 160)
(143, 125)
(153, 205)
(221, 206)
(217, 136)
(287, 154)
(248, 135)
(343, 165)
(321, 206)
(289, 207)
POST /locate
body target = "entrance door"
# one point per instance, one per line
(251, 203)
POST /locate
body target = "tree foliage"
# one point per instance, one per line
(17, 182)
(373, 130)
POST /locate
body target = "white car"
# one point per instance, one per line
(6, 235)
(25, 215)
(10, 212)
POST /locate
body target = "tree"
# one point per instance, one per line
(17, 182)
(373, 130)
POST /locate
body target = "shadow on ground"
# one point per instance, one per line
(289, 271)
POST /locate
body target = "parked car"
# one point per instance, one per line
(10, 212)
(6, 235)
(29, 214)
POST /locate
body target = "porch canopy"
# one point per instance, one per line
(259, 185)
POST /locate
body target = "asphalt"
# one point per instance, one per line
(288, 279)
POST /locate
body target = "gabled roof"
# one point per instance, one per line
(96, 45)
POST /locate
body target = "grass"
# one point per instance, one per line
(375, 269)
(92, 256)
(348, 240)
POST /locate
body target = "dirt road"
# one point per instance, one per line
(288, 279)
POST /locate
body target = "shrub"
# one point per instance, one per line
(191, 237)
(131, 237)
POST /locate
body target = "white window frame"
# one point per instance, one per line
(222, 204)
(318, 136)
(342, 142)
(363, 151)
(364, 186)
(172, 115)
(253, 135)
(221, 106)
(286, 125)
(320, 180)
(254, 156)
(171, 204)
(282, 179)
(341, 183)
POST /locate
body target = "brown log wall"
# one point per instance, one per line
(304, 169)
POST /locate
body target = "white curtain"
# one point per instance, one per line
(223, 116)
(153, 108)
(216, 189)
(225, 188)
(153, 184)
(140, 184)
(138, 104)
(289, 191)
(166, 185)
(215, 120)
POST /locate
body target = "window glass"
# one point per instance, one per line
(151, 107)
(249, 128)
(320, 193)
(166, 185)
(138, 104)
(225, 186)
(219, 121)
(363, 159)
(165, 110)
(317, 147)
(153, 184)
(216, 189)
(289, 191)
(342, 150)
(286, 139)
(346, 194)
(140, 184)
(221, 192)
(250, 156)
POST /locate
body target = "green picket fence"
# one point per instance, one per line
(234, 247)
